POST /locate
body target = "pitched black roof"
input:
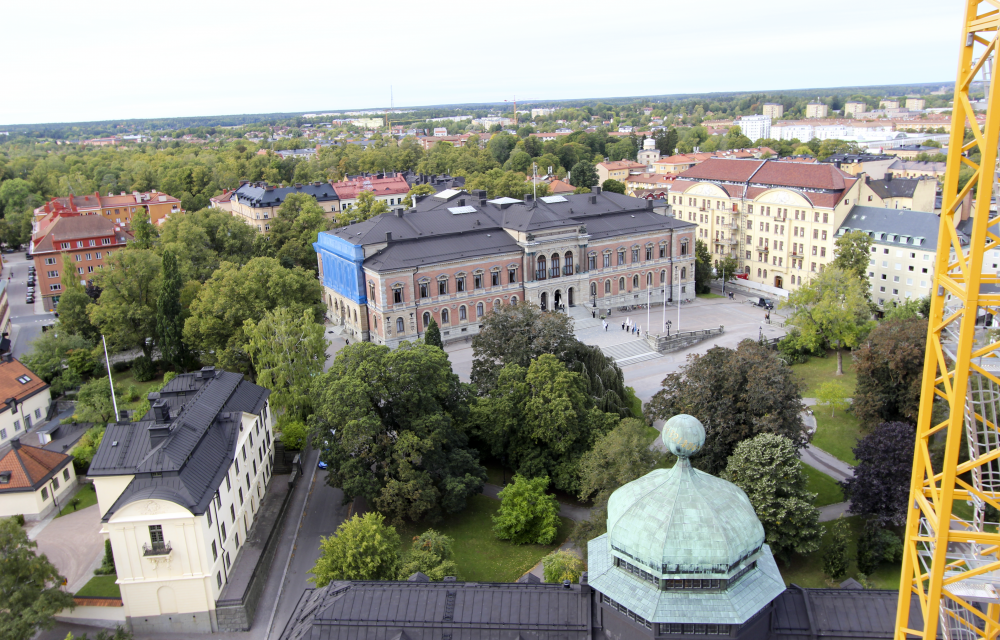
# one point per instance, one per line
(188, 464)
(895, 187)
(897, 225)
(432, 610)
(259, 194)
(806, 614)
(466, 220)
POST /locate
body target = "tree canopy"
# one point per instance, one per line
(363, 548)
(736, 394)
(287, 352)
(126, 311)
(889, 367)
(852, 251)
(527, 514)
(397, 438)
(294, 230)
(880, 486)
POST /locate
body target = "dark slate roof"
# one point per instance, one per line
(901, 224)
(206, 410)
(806, 614)
(457, 214)
(895, 187)
(432, 610)
(259, 194)
(853, 158)
(439, 182)
(428, 251)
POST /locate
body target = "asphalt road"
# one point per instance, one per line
(26, 319)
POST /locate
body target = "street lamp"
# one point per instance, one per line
(668, 327)
(677, 270)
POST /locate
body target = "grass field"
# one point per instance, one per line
(826, 488)
(709, 296)
(101, 587)
(479, 555)
(125, 380)
(807, 571)
(816, 371)
(837, 436)
(87, 497)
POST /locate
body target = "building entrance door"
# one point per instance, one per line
(778, 281)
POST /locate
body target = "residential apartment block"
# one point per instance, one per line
(88, 239)
(854, 108)
(773, 110)
(618, 170)
(25, 398)
(178, 491)
(917, 194)
(915, 104)
(776, 218)
(455, 255)
(118, 209)
(817, 110)
(755, 127)
(904, 246)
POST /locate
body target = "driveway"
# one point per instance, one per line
(74, 544)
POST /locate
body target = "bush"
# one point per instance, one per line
(118, 367)
(293, 433)
(19, 519)
(131, 393)
(143, 369)
(877, 545)
(527, 514)
(107, 567)
(431, 555)
(790, 349)
(562, 565)
(85, 449)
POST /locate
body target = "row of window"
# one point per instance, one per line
(424, 287)
(635, 281)
(84, 243)
(763, 210)
(909, 281)
(27, 417)
(55, 484)
(463, 315)
(687, 584)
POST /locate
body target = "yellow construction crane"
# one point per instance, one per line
(951, 565)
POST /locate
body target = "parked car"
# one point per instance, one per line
(29, 300)
(767, 303)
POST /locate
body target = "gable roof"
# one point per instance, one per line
(65, 228)
(259, 194)
(187, 466)
(17, 382)
(894, 187)
(29, 467)
(896, 223)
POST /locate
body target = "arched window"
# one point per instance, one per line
(427, 319)
(621, 285)
(513, 299)
(663, 276)
(479, 310)
(607, 286)
(462, 315)
(765, 273)
(649, 279)
(746, 270)
(371, 292)
(496, 303)
(635, 281)
(399, 325)
(540, 274)
(684, 273)
(593, 288)
(568, 263)
(444, 316)
(758, 272)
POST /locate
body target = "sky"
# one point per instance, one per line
(112, 59)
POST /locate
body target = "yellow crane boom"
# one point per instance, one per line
(951, 564)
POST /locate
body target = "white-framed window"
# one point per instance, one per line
(55, 287)
(105, 240)
(64, 245)
(50, 261)
(52, 274)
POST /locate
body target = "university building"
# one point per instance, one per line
(456, 254)
(777, 219)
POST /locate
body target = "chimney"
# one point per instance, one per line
(399, 213)
(157, 434)
(388, 236)
(649, 204)
(161, 411)
(593, 198)
(461, 202)
(207, 372)
(123, 416)
(595, 190)
(528, 198)
(15, 444)
(888, 177)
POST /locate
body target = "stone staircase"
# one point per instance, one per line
(582, 318)
(630, 352)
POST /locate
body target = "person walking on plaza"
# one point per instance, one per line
(623, 325)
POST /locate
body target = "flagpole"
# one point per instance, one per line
(111, 380)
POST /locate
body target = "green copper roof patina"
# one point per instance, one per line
(681, 525)
(682, 520)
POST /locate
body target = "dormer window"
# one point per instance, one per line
(24, 379)
(5, 477)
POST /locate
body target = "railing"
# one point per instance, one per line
(540, 274)
(734, 225)
(554, 272)
(568, 270)
(156, 549)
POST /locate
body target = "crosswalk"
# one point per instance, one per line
(630, 352)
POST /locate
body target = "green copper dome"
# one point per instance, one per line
(681, 520)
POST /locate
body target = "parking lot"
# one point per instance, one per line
(27, 318)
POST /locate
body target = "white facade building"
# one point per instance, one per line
(755, 127)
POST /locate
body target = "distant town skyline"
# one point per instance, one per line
(191, 59)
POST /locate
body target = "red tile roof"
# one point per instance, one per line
(63, 228)
(349, 189)
(557, 187)
(29, 466)
(723, 169)
(797, 174)
(12, 387)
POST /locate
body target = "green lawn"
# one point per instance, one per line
(651, 433)
(807, 571)
(709, 296)
(837, 436)
(87, 497)
(816, 371)
(826, 488)
(479, 555)
(101, 587)
(125, 380)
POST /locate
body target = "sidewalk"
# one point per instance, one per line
(72, 543)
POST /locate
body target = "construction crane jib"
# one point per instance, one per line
(951, 564)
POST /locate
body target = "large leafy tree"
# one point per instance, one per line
(94, 402)
(287, 353)
(29, 585)
(49, 354)
(852, 251)
(169, 313)
(527, 514)
(394, 419)
(431, 554)
(294, 230)
(126, 311)
(367, 206)
(889, 366)
(202, 239)
(144, 234)
(541, 420)
(363, 548)
(15, 196)
(614, 186)
(880, 486)
(74, 303)
(235, 294)
(736, 394)
(702, 267)
(831, 311)
(768, 470)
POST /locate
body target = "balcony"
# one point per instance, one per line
(554, 272)
(734, 225)
(540, 274)
(763, 249)
(731, 240)
(568, 270)
(156, 549)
